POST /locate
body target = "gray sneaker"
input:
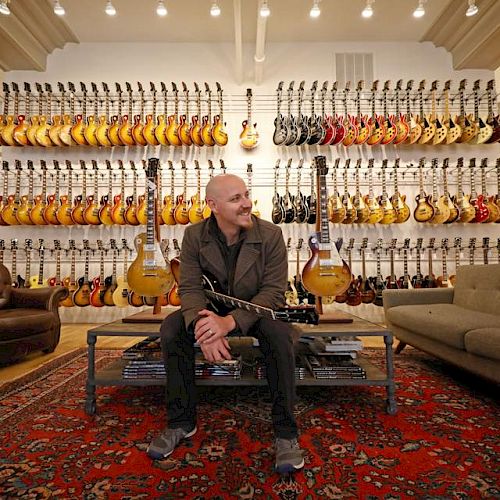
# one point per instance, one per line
(289, 456)
(164, 444)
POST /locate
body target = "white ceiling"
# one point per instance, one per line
(190, 21)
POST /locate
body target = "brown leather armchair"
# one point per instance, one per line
(29, 319)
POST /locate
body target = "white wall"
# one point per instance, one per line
(211, 63)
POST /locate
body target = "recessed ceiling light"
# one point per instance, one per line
(368, 10)
(419, 11)
(110, 9)
(58, 8)
(473, 9)
(161, 10)
(215, 10)
(265, 11)
(315, 10)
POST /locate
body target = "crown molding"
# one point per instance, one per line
(474, 42)
(30, 34)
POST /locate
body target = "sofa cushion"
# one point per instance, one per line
(478, 288)
(484, 342)
(19, 323)
(446, 323)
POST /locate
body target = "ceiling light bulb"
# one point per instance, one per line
(110, 9)
(215, 10)
(419, 11)
(367, 11)
(315, 10)
(472, 10)
(58, 8)
(265, 11)
(4, 8)
(161, 10)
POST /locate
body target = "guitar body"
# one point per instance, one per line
(453, 132)
(174, 298)
(110, 288)
(195, 133)
(195, 212)
(402, 130)
(482, 212)
(131, 212)
(34, 282)
(121, 292)
(142, 210)
(24, 211)
(10, 210)
(118, 211)
(181, 211)
(149, 131)
(428, 131)
(19, 135)
(278, 212)
(50, 214)
(167, 212)
(292, 132)
(249, 137)
(125, 132)
(64, 211)
(65, 132)
(149, 275)
(340, 131)
(90, 132)
(135, 300)
(362, 211)
(440, 134)
(336, 209)
(280, 131)
(466, 212)
(469, 130)
(320, 283)
(351, 131)
(160, 131)
(376, 212)
(219, 133)
(78, 131)
(7, 132)
(329, 129)
(377, 131)
(391, 131)
(424, 211)
(454, 213)
(184, 134)
(42, 133)
(493, 209)
(379, 288)
(484, 132)
(402, 209)
(31, 132)
(494, 123)
(172, 132)
(441, 211)
(114, 132)
(91, 212)
(37, 211)
(97, 293)
(353, 294)
(78, 210)
(415, 131)
(105, 212)
(81, 296)
(389, 215)
(367, 292)
(303, 132)
(71, 287)
(102, 132)
(206, 132)
(138, 132)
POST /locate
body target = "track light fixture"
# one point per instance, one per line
(368, 10)
(110, 9)
(315, 10)
(264, 11)
(472, 9)
(58, 9)
(4, 7)
(161, 10)
(419, 11)
(215, 9)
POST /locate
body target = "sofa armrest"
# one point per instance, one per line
(38, 298)
(394, 298)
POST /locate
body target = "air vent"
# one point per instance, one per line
(353, 67)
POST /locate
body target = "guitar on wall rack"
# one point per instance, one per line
(325, 273)
(417, 280)
(424, 211)
(219, 133)
(181, 206)
(249, 137)
(37, 280)
(415, 127)
(81, 296)
(398, 200)
(489, 201)
(288, 201)
(445, 198)
(492, 120)
(465, 121)
(277, 211)
(80, 203)
(206, 129)
(195, 130)
(453, 129)
(405, 280)
(150, 275)
(477, 200)
(65, 209)
(69, 282)
(280, 131)
(379, 284)
(121, 293)
(110, 282)
(98, 286)
(336, 209)
(366, 289)
(23, 214)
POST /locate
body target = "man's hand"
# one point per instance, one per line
(217, 350)
(211, 327)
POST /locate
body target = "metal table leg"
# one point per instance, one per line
(90, 403)
(391, 388)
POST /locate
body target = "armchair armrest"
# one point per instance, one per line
(39, 298)
(394, 298)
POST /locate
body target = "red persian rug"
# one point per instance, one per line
(442, 443)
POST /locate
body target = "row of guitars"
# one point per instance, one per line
(110, 208)
(100, 119)
(436, 208)
(388, 124)
(364, 289)
(101, 290)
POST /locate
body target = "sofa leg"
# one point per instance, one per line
(401, 345)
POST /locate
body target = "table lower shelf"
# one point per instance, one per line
(112, 375)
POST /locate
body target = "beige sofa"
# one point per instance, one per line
(460, 325)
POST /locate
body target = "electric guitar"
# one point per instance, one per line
(326, 121)
(168, 210)
(489, 202)
(19, 134)
(417, 281)
(150, 275)
(311, 199)
(184, 126)
(424, 211)
(219, 133)
(441, 131)
(350, 209)
(492, 119)
(195, 212)
(300, 205)
(415, 127)
(151, 119)
(56, 279)
(110, 282)
(38, 209)
(102, 130)
(288, 205)
(371, 201)
(402, 126)
(454, 130)
(483, 128)
(138, 128)
(467, 125)
(91, 128)
(195, 130)
(78, 128)
(69, 282)
(67, 119)
(366, 289)
(336, 209)
(353, 292)
(107, 199)
(25, 282)
(477, 200)
(362, 210)
(249, 137)
(351, 129)
(5, 191)
(120, 206)
(398, 200)
(91, 211)
(428, 128)
(121, 293)
(255, 210)
(278, 211)
(173, 296)
(391, 282)
(317, 132)
(325, 273)
(443, 280)
(114, 129)
(172, 132)
(53, 202)
(38, 281)
(23, 213)
(125, 130)
(132, 201)
(440, 204)
(206, 128)
(379, 280)
(375, 122)
(391, 130)
(77, 214)
(65, 209)
(303, 130)
(290, 124)
(405, 280)
(458, 249)
(445, 198)
(81, 296)
(10, 209)
(280, 131)
(181, 207)
(364, 130)
(466, 212)
(430, 279)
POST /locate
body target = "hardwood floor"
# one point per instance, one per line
(74, 336)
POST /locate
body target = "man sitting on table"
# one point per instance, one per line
(248, 257)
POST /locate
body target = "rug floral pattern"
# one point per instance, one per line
(442, 443)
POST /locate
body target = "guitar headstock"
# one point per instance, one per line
(434, 85)
(472, 243)
(28, 245)
(461, 86)
(447, 85)
(299, 244)
(86, 246)
(5, 88)
(112, 243)
(210, 167)
(420, 242)
(222, 165)
(444, 244)
(83, 87)
(350, 246)
(94, 88)
(197, 88)
(324, 89)
(177, 248)
(207, 89)
(387, 84)
(320, 164)
(486, 242)
(183, 165)
(2, 245)
(457, 242)
(71, 87)
(56, 166)
(406, 244)
(185, 89)
(421, 86)
(152, 168)
(100, 246)
(41, 246)
(108, 164)
(484, 163)
(39, 88)
(43, 165)
(128, 86)
(445, 163)
(249, 168)
(94, 165)
(196, 164)
(140, 88)
(105, 88)
(57, 245)
(219, 88)
(431, 243)
(60, 87)
(289, 244)
(476, 86)
(15, 87)
(27, 87)
(399, 85)
(13, 245)
(394, 242)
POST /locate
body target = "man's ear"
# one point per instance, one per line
(212, 205)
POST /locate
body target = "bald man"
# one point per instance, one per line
(248, 257)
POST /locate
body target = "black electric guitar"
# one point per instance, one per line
(379, 280)
(278, 212)
(223, 303)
